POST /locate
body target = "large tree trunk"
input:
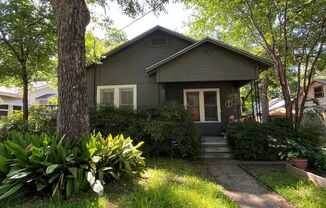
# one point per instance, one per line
(25, 91)
(264, 98)
(73, 17)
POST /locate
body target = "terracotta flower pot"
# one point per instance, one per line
(300, 163)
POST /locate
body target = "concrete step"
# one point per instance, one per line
(216, 155)
(224, 143)
(213, 139)
(216, 149)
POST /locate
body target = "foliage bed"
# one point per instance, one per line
(41, 119)
(166, 183)
(301, 193)
(59, 167)
(166, 131)
(276, 140)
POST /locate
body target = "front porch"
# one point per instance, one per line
(211, 103)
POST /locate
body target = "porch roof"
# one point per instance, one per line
(259, 60)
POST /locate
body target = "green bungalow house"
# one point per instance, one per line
(162, 65)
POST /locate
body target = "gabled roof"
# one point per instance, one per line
(259, 60)
(322, 81)
(157, 27)
(45, 96)
(13, 95)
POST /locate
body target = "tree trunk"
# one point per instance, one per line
(264, 99)
(284, 86)
(73, 17)
(25, 91)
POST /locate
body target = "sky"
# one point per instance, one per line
(175, 19)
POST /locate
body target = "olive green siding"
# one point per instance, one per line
(207, 62)
(228, 91)
(128, 67)
(203, 66)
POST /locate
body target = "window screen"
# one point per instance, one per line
(4, 107)
(107, 97)
(126, 98)
(17, 107)
(319, 92)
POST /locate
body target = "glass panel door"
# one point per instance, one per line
(210, 105)
(193, 104)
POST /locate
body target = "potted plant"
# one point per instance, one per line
(296, 153)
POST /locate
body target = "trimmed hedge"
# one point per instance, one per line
(167, 130)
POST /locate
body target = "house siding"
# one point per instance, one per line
(207, 62)
(128, 67)
(311, 94)
(174, 92)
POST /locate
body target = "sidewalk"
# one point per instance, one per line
(242, 187)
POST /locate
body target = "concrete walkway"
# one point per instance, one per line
(242, 187)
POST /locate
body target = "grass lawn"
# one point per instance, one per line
(167, 183)
(300, 193)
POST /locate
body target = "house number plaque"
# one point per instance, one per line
(228, 103)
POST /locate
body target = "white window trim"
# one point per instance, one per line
(116, 92)
(201, 103)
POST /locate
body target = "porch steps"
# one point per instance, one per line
(215, 147)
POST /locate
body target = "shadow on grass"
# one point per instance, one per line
(302, 193)
(167, 183)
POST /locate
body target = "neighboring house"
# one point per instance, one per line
(9, 102)
(316, 92)
(161, 65)
(277, 107)
(42, 95)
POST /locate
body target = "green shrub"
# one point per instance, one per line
(313, 126)
(250, 141)
(41, 119)
(59, 166)
(167, 130)
(274, 140)
(321, 160)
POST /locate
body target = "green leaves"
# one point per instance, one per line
(51, 168)
(98, 187)
(156, 126)
(44, 163)
(90, 177)
(13, 190)
(28, 35)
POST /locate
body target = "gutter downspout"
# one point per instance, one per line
(94, 85)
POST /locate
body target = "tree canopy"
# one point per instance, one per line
(27, 43)
(290, 33)
(96, 47)
(72, 18)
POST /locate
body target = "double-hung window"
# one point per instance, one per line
(121, 96)
(318, 92)
(4, 110)
(204, 104)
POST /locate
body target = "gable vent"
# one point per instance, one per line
(160, 41)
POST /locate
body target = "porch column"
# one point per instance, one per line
(256, 107)
(161, 93)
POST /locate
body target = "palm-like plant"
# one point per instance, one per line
(62, 166)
